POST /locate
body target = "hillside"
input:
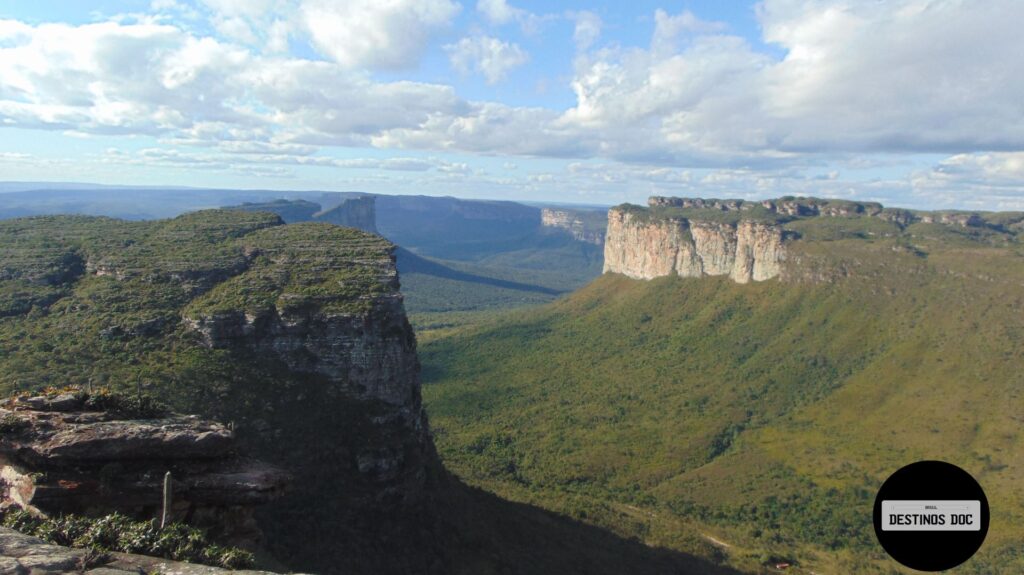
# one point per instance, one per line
(295, 337)
(763, 415)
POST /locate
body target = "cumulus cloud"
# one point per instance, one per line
(853, 78)
(587, 29)
(375, 33)
(489, 56)
(498, 11)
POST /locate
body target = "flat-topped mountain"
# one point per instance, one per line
(355, 212)
(764, 415)
(290, 340)
(584, 225)
(294, 334)
(751, 241)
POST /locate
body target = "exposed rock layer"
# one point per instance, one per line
(646, 249)
(58, 456)
(572, 222)
(693, 237)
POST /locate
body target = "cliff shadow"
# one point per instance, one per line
(409, 263)
(494, 535)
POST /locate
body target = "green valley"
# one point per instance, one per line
(755, 422)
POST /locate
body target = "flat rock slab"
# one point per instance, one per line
(22, 554)
(61, 437)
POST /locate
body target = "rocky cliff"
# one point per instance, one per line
(296, 334)
(751, 241)
(352, 212)
(359, 213)
(643, 248)
(584, 226)
(76, 453)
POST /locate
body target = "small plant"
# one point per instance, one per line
(137, 405)
(116, 532)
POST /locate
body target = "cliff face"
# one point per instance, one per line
(359, 213)
(640, 248)
(68, 454)
(579, 224)
(693, 237)
(295, 334)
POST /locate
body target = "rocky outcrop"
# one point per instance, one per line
(22, 554)
(644, 248)
(693, 237)
(359, 213)
(811, 207)
(371, 356)
(579, 225)
(62, 455)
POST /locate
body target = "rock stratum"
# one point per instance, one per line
(751, 241)
(295, 335)
(584, 226)
(67, 454)
(352, 212)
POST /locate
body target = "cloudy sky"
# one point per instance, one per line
(917, 103)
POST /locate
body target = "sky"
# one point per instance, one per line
(915, 103)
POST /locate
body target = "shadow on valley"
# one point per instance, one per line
(410, 263)
(494, 535)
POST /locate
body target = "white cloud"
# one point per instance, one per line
(587, 29)
(498, 11)
(855, 78)
(489, 56)
(375, 33)
(668, 28)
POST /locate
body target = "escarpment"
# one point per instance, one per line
(645, 249)
(352, 212)
(584, 226)
(754, 241)
(76, 453)
(293, 336)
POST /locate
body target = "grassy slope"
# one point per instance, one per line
(765, 414)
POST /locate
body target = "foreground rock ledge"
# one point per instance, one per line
(24, 554)
(57, 457)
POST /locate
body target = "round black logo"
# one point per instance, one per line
(931, 516)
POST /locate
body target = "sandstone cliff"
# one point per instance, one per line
(642, 248)
(584, 226)
(750, 241)
(295, 333)
(68, 454)
(359, 212)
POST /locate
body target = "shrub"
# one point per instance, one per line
(116, 532)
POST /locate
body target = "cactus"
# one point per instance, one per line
(167, 500)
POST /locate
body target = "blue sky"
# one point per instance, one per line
(915, 103)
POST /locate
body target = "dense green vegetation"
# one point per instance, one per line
(100, 303)
(762, 415)
(116, 532)
(443, 293)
